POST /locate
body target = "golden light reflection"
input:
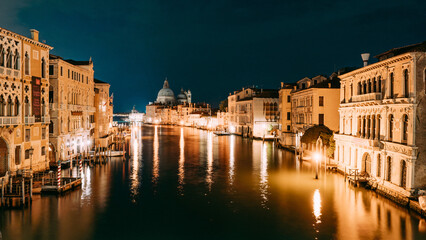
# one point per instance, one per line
(317, 209)
(231, 159)
(136, 145)
(156, 163)
(86, 185)
(264, 175)
(209, 178)
(181, 173)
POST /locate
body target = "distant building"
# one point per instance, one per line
(253, 112)
(24, 94)
(72, 110)
(103, 115)
(382, 120)
(284, 107)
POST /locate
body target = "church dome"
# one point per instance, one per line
(166, 95)
(181, 97)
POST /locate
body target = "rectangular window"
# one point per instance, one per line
(321, 119)
(27, 135)
(51, 69)
(17, 155)
(321, 101)
(288, 98)
(27, 154)
(68, 73)
(43, 133)
(288, 115)
(61, 72)
(288, 127)
(43, 151)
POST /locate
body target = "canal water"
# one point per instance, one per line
(184, 183)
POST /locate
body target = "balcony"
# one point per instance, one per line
(367, 97)
(29, 119)
(45, 119)
(10, 72)
(5, 121)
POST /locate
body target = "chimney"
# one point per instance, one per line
(295, 87)
(282, 84)
(34, 34)
(365, 57)
(329, 85)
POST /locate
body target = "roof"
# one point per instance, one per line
(418, 47)
(335, 83)
(99, 81)
(73, 62)
(267, 93)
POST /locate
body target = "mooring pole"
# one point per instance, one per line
(23, 191)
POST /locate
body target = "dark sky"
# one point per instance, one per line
(214, 46)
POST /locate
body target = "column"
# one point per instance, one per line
(376, 136)
(362, 126)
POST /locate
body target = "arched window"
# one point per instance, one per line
(2, 105)
(403, 174)
(391, 83)
(405, 128)
(374, 85)
(406, 84)
(27, 106)
(43, 68)
(16, 63)
(369, 85)
(51, 127)
(16, 111)
(390, 133)
(379, 166)
(379, 84)
(9, 106)
(359, 88)
(364, 84)
(389, 169)
(378, 127)
(9, 58)
(27, 64)
(1, 55)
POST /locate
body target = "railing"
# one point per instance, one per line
(45, 119)
(367, 97)
(11, 72)
(10, 120)
(29, 119)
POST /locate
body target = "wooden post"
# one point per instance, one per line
(23, 191)
(10, 183)
(31, 188)
(2, 191)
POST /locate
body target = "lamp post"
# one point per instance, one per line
(31, 151)
(317, 158)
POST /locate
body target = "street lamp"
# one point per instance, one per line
(317, 158)
(31, 151)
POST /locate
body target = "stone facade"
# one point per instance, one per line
(103, 114)
(71, 101)
(24, 115)
(382, 120)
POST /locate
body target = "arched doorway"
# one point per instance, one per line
(3, 157)
(366, 164)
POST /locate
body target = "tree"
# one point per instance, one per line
(223, 105)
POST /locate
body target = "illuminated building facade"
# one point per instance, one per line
(71, 101)
(253, 112)
(382, 120)
(24, 113)
(103, 114)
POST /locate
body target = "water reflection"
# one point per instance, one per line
(155, 161)
(86, 185)
(209, 178)
(136, 159)
(264, 175)
(181, 170)
(317, 210)
(231, 159)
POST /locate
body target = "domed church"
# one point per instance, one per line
(166, 95)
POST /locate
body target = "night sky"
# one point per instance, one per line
(214, 47)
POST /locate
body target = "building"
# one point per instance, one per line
(382, 121)
(103, 114)
(253, 112)
(71, 104)
(284, 106)
(24, 113)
